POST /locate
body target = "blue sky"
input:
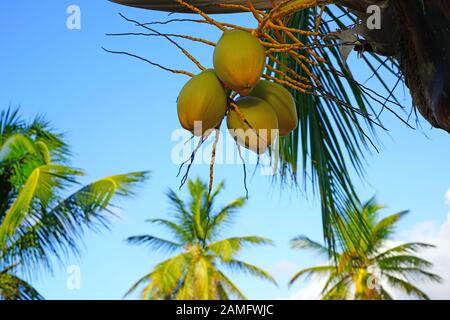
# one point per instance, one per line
(119, 114)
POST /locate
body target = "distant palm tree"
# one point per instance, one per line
(368, 270)
(195, 273)
(38, 221)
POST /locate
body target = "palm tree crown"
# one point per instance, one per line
(365, 270)
(194, 273)
(38, 220)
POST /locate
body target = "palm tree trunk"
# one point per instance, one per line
(415, 32)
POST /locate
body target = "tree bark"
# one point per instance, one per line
(208, 6)
(415, 32)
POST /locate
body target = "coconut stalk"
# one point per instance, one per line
(414, 32)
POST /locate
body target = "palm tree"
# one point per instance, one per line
(14, 288)
(367, 270)
(39, 219)
(194, 273)
(338, 124)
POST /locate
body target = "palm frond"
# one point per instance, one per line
(138, 283)
(303, 242)
(384, 294)
(15, 288)
(177, 231)
(339, 291)
(336, 130)
(181, 214)
(87, 206)
(406, 287)
(10, 122)
(201, 280)
(16, 146)
(198, 191)
(42, 131)
(154, 242)
(226, 249)
(231, 287)
(40, 185)
(248, 268)
(56, 231)
(224, 215)
(222, 294)
(401, 261)
(415, 273)
(385, 227)
(334, 278)
(165, 277)
(313, 271)
(404, 248)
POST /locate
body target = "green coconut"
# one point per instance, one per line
(202, 100)
(239, 60)
(262, 119)
(281, 101)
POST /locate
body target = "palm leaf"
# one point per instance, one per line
(385, 227)
(16, 146)
(255, 271)
(224, 215)
(14, 288)
(40, 185)
(10, 122)
(231, 287)
(58, 230)
(410, 247)
(226, 249)
(406, 287)
(332, 137)
(401, 261)
(177, 231)
(415, 273)
(303, 242)
(339, 291)
(384, 295)
(164, 279)
(313, 271)
(201, 280)
(154, 242)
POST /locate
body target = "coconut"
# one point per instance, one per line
(202, 99)
(281, 101)
(262, 119)
(239, 60)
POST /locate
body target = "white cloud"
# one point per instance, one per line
(310, 291)
(439, 256)
(447, 197)
(284, 268)
(302, 290)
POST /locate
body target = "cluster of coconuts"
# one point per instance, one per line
(266, 109)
